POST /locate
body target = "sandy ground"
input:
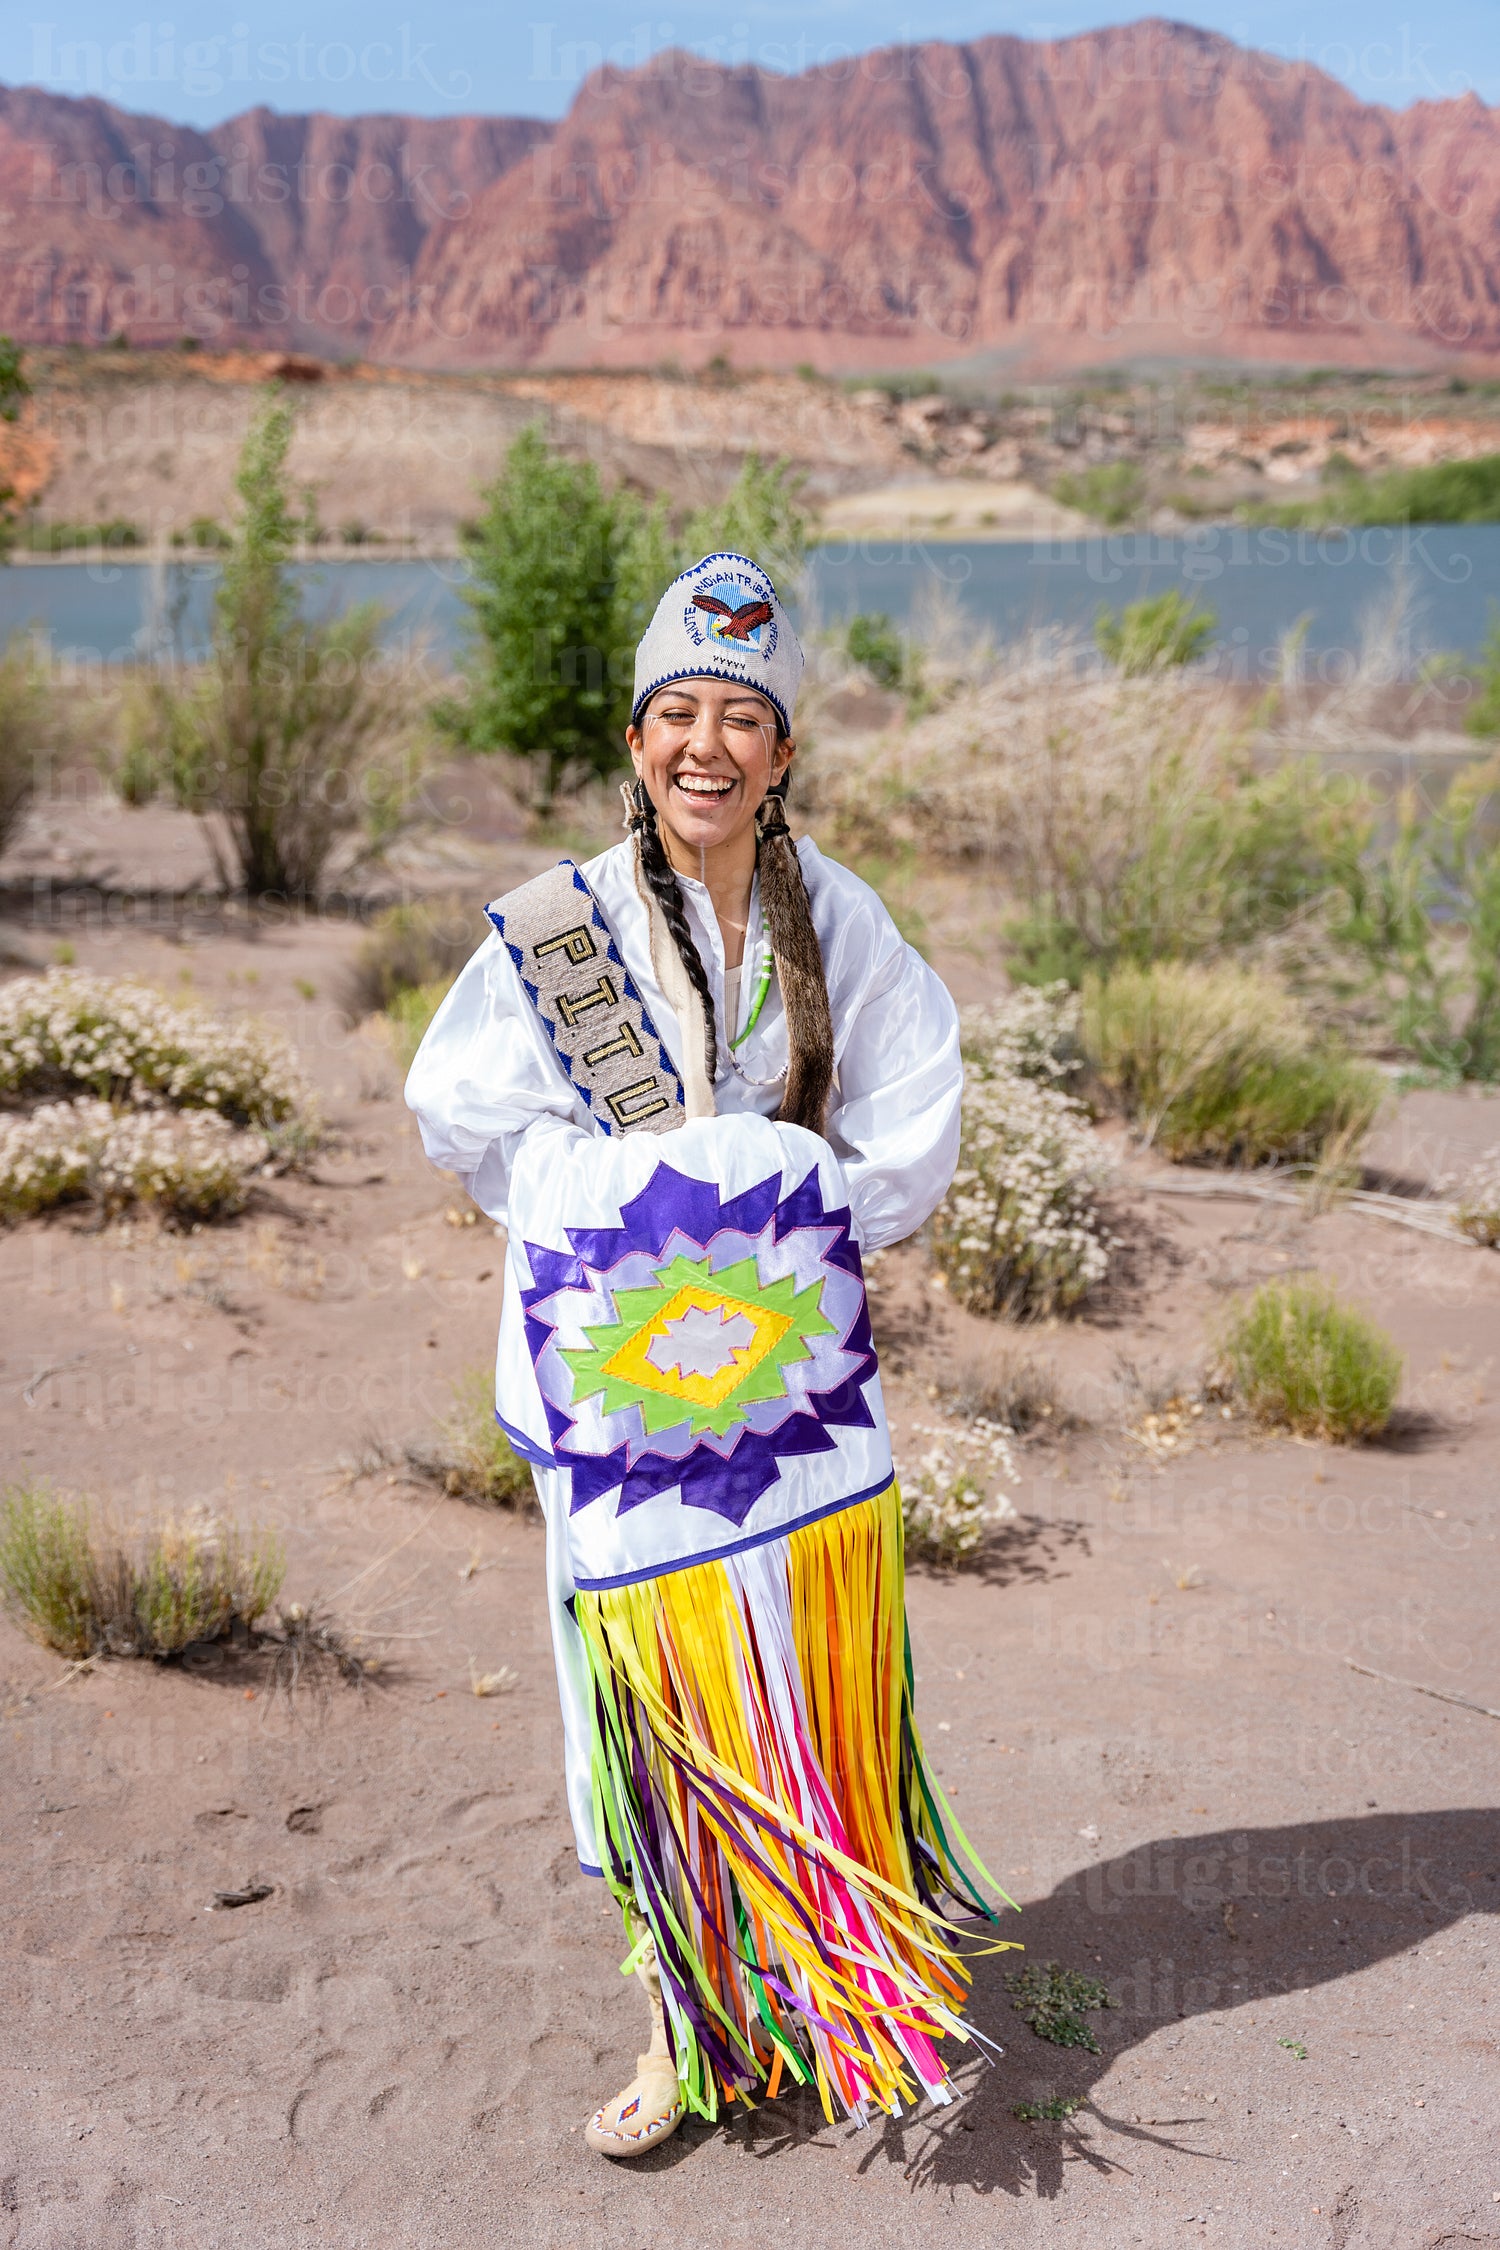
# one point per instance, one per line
(1141, 1702)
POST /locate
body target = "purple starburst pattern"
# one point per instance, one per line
(678, 1214)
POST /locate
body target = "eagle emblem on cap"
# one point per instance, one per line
(733, 624)
(734, 616)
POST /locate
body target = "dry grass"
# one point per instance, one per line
(1011, 1389)
(1221, 1064)
(408, 947)
(82, 1584)
(469, 1456)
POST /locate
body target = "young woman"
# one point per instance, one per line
(695, 1079)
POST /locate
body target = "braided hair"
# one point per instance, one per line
(799, 966)
(794, 947)
(662, 884)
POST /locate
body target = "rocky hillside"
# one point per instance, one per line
(1029, 204)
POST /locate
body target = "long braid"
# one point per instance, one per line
(799, 968)
(657, 869)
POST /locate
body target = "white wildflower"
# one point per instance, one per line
(1019, 1230)
(948, 1500)
(191, 1165)
(119, 1040)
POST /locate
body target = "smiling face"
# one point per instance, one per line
(707, 751)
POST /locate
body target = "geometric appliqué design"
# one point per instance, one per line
(702, 1344)
(699, 1346)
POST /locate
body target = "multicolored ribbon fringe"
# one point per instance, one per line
(761, 1799)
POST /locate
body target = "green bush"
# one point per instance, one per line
(82, 1586)
(1112, 492)
(1443, 492)
(1221, 1065)
(299, 735)
(1303, 1362)
(1162, 629)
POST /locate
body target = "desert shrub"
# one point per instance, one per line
(24, 733)
(948, 1500)
(470, 1456)
(1161, 629)
(407, 947)
(1476, 1205)
(1221, 1064)
(69, 1033)
(1419, 915)
(299, 735)
(1008, 1387)
(1019, 1231)
(161, 742)
(186, 1165)
(80, 1584)
(1130, 814)
(1304, 1362)
(1113, 492)
(872, 642)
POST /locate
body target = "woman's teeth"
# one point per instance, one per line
(704, 785)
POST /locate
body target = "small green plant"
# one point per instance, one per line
(1054, 2002)
(470, 1456)
(1221, 1065)
(64, 538)
(1112, 492)
(1302, 1361)
(1160, 630)
(873, 643)
(1295, 2047)
(81, 1584)
(306, 989)
(1441, 492)
(1054, 2111)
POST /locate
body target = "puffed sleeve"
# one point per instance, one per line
(895, 1117)
(484, 1076)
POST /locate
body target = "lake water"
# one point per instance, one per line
(1259, 583)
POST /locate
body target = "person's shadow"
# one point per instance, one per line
(1175, 1927)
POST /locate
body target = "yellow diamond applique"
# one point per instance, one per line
(699, 1346)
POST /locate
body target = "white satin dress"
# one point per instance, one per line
(486, 1079)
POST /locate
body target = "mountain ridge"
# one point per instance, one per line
(1154, 188)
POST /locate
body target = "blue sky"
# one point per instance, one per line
(200, 60)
